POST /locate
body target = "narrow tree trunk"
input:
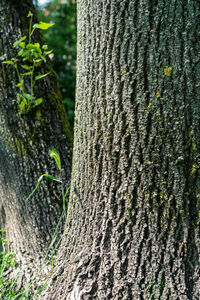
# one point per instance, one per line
(24, 144)
(133, 217)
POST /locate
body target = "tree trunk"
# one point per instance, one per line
(133, 224)
(24, 144)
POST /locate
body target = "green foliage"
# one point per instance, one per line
(7, 261)
(40, 180)
(29, 57)
(55, 155)
(63, 41)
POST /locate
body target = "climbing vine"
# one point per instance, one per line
(29, 57)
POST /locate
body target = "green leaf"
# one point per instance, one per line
(34, 47)
(39, 181)
(67, 191)
(56, 156)
(45, 47)
(29, 14)
(26, 67)
(51, 177)
(37, 45)
(19, 41)
(43, 25)
(19, 84)
(25, 58)
(42, 76)
(37, 61)
(52, 262)
(22, 105)
(27, 96)
(21, 52)
(30, 46)
(21, 99)
(27, 74)
(36, 26)
(48, 52)
(38, 101)
(25, 52)
(8, 62)
(43, 58)
(22, 45)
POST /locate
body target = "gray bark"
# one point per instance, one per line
(24, 144)
(133, 223)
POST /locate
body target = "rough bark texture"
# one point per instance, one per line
(24, 144)
(133, 217)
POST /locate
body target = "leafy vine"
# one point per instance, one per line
(29, 57)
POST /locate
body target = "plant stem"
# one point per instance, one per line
(30, 33)
(32, 83)
(32, 86)
(63, 192)
(17, 72)
(19, 78)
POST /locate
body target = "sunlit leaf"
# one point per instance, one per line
(22, 45)
(42, 76)
(48, 52)
(36, 26)
(22, 105)
(30, 14)
(21, 52)
(25, 58)
(56, 156)
(27, 67)
(43, 25)
(27, 96)
(34, 47)
(45, 47)
(25, 52)
(37, 60)
(37, 45)
(9, 62)
(27, 74)
(19, 41)
(19, 84)
(38, 101)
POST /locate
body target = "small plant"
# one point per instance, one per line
(7, 289)
(30, 56)
(7, 261)
(48, 259)
(53, 153)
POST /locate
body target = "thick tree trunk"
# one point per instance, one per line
(24, 144)
(133, 217)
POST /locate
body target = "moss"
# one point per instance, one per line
(19, 146)
(14, 145)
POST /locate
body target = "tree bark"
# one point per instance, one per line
(133, 223)
(24, 144)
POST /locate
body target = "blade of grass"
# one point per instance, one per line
(39, 181)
